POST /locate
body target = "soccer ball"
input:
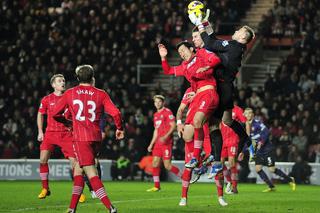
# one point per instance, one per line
(197, 8)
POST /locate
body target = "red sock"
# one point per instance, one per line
(234, 176)
(226, 174)
(190, 146)
(219, 183)
(78, 184)
(198, 141)
(98, 188)
(175, 170)
(186, 177)
(156, 176)
(44, 173)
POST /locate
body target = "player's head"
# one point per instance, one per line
(248, 113)
(158, 101)
(196, 38)
(244, 35)
(85, 74)
(58, 82)
(185, 50)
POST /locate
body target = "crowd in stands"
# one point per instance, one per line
(39, 40)
(289, 18)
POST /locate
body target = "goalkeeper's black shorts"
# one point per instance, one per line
(267, 159)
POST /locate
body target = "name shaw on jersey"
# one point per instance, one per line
(84, 92)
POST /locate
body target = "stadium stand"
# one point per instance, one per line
(40, 38)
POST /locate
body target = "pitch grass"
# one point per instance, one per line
(21, 196)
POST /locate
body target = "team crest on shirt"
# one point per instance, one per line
(192, 62)
(158, 123)
(225, 43)
(202, 104)
(170, 116)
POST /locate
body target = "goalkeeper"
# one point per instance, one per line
(265, 151)
(231, 53)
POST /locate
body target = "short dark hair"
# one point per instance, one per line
(53, 78)
(85, 73)
(185, 43)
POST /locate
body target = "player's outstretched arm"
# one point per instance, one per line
(167, 69)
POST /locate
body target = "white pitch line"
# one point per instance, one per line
(117, 201)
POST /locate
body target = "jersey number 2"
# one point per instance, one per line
(91, 110)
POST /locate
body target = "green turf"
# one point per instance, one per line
(21, 196)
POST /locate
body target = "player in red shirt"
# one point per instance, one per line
(161, 143)
(203, 84)
(86, 104)
(230, 150)
(186, 131)
(56, 133)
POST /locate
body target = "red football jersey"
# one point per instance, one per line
(230, 138)
(46, 107)
(185, 100)
(189, 68)
(86, 104)
(161, 121)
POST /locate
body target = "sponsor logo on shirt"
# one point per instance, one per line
(158, 123)
(202, 104)
(225, 43)
(192, 62)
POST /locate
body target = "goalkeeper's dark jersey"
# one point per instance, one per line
(230, 53)
(260, 133)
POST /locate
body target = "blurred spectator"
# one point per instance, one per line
(145, 165)
(301, 171)
(123, 167)
(300, 141)
(280, 156)
(30, 152)
(293, 154)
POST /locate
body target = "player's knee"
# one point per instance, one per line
(232, 162)
(167, 166)
(197, 123)
(258, 169)
(43, 160)
(272, 169)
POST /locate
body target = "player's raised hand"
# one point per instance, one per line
(163, 52)
(194, 19)
(180, 129)
(202, 69)
(119, 134)
(40, 136)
